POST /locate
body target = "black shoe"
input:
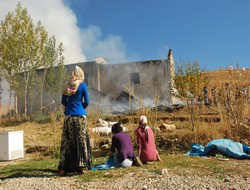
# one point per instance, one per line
(78, 171)
(62, 172)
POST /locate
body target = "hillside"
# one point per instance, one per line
(219, 77)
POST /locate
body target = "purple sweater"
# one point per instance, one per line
(122, 143)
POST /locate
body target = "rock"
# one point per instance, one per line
(164, 172)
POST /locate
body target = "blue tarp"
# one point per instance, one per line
(107, 165)
(226, 146)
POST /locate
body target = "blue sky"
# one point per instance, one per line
(214, 32)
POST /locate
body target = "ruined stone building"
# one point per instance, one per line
(118, 86)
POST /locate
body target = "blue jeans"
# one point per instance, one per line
(113, 162)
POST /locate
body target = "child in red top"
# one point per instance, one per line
(146, 142)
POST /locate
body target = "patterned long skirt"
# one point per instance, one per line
(75, 151)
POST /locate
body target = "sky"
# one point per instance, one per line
(216, 33)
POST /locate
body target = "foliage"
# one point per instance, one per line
(189, 81)
(1, 90)
(20, 47)
(25, 47)
(54, 72)
(189, 78)
(42, 119)
(12, 121)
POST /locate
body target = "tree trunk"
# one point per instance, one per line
(15, 106)
(41, 95)
(26, 94)
(0, 94)
(10, 102)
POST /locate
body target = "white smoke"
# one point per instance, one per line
(95, 44)
(58, 19)
(79, 43)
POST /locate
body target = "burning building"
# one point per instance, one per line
(122, 86)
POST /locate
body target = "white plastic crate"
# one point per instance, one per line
(11, 145)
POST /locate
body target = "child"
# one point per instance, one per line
(72, 86)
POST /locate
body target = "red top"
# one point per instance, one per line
(146, 149)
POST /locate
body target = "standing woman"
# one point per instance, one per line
(75, 151)
(146, 142)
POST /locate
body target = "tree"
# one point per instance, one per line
(25, 47)
(1, 90)
(189, 81)
(190, 78)
(53, 68)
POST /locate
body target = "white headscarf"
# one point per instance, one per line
(143, 120)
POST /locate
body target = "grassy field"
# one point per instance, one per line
(179, 164)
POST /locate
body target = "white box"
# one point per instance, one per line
(11, 145)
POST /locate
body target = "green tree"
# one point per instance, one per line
(53, 68)
(25, 47)
(1, 90)
(21, 44)
(190, 79)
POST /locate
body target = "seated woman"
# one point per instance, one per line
(121, 153)
(146, 142)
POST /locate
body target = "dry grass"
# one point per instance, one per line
(219, 77)
(45, 138)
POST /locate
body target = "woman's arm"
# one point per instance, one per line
(112, 148)
(139, 142)
(64, 100)
(86, 96)
(110, 153)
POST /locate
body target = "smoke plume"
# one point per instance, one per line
(58, 20)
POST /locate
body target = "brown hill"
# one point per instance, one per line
(219, 77)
